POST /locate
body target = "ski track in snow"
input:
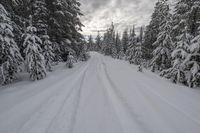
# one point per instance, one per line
(102, 95)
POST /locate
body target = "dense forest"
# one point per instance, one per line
(36, 34)
(169, 45)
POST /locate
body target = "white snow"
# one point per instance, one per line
(102, 95)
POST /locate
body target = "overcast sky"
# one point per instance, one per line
(124, 13)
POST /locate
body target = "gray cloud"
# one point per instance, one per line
(98, 14)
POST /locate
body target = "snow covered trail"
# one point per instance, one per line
(102, 95)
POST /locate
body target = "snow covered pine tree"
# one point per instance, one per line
(70, 60)
(162, 53)
(137, 57)
(177, 72)
(192, 61)
(34, 59)
(152, 30)
(10, 57)
(48, 53)
(185, 67)
(40, 17)
(131, 46)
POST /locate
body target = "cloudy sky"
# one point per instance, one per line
(124, 13)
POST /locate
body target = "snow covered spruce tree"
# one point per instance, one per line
(131, 46)
(98, 42)
(90, 43)
(186, 10)
(48, 52)
(182, 9)
(177, 73)
(40, 17)
(70, 60)
(10, 57)
(162, 53)
(118, 46)
(185, 67)
(108, 45)
(137, 58)
(192, 62)
(35, 61)
(84, 56)
(112, 42)
(64, 24)
(125, 41)
(152, 30)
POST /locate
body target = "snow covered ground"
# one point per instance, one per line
(102, 95)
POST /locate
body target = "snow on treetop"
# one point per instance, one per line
(68, 41)
(2, 10)
(46, 36)
(31, 29)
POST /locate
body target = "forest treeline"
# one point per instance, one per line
(35, 34)
(169, 45)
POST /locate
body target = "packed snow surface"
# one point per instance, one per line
(102, 95)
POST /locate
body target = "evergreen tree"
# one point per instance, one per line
(48, 53)
(192, 62)
(56, 51)
(186, 12)
(194, 17)
(64, 24)
(141, 35)
(125, 41)
(109, 46)
(10, 57)
(152, 30)
(70, 60)
(40, 17)
(98, 42)
(112, 42)
(185, 65)
(137, 56)
(162, 54)
(84, 56)
(177, 73)
(118, 43)
(131, 46)
(104, 42)
(34, 59)
(90, 43)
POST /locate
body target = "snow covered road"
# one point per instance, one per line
(102, 95)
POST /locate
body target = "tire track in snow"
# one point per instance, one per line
(49, 111)
(107, 96)
(102, 118)
(162, 107)
(147, 103)
(65, 120)
(164, 99)
(43, 87)
(150, 98)
(128, 118)
(171, 105)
